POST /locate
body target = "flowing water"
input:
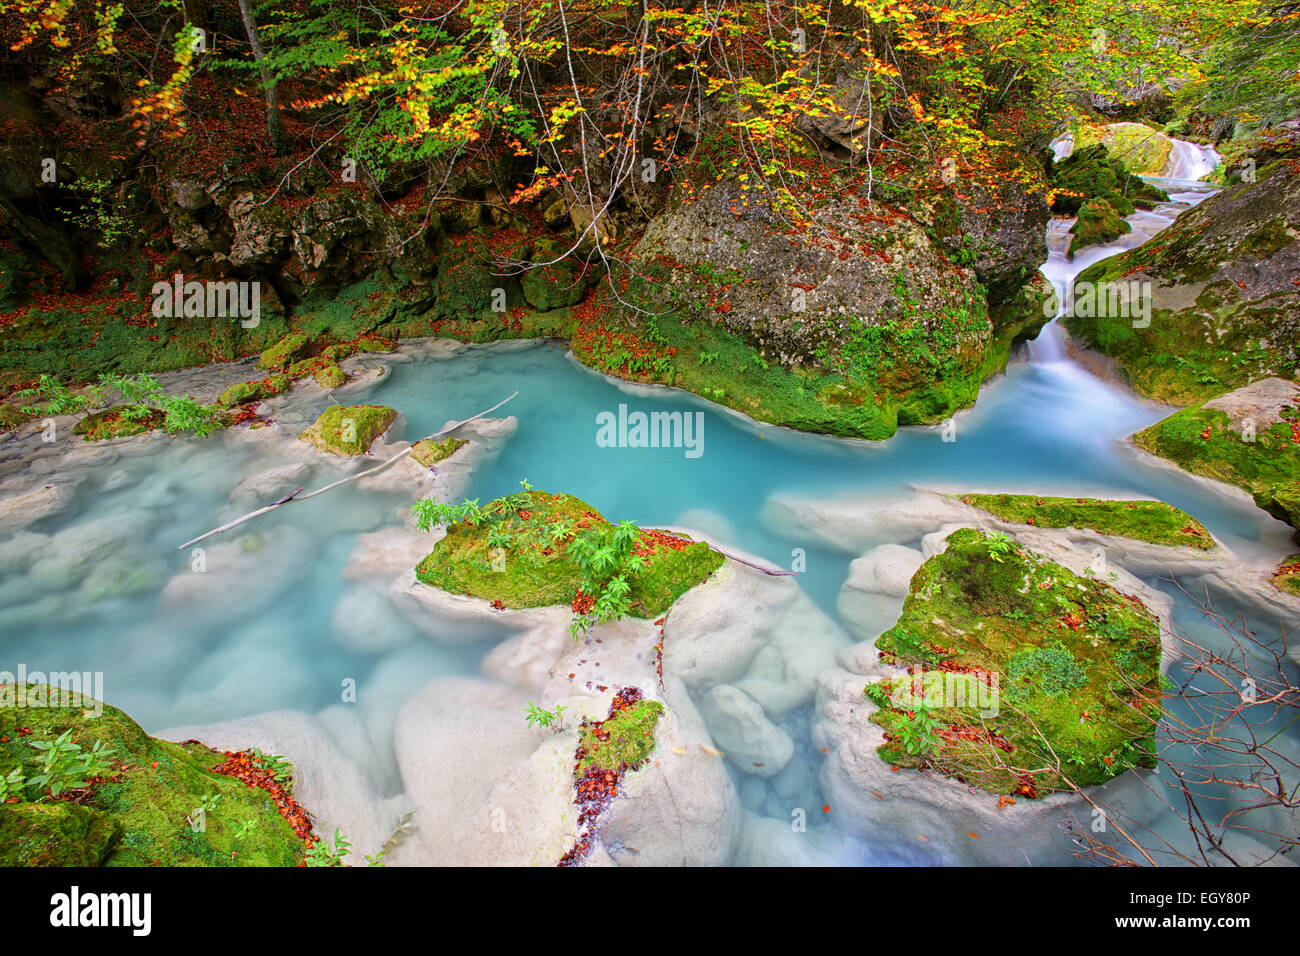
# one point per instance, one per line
(264, 640)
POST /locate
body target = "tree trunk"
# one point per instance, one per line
(274, 124)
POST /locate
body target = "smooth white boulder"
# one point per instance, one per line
(869, 602)
(743, 732)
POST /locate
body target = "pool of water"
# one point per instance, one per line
(259, 637)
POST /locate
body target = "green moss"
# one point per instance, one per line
(1075, 663)
(1092, 172)
(1099, 222)
(429, 453)
(348, 430)
(55, 834)
(620, 742)
(78, 342)
(156, 786)
(1287, 575)
(11, 416)
(112, 423)
(285, 352)
(1203, 442)
(1152, 521)
(329, 376)
(241, 393)
(534, 569)
(1142, 149)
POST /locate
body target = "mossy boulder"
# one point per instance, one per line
(1222, 304)
(519, 555)
(475, 280)
(1143, 150)
(142, 812)
(329, 376)
(1025, 678)
(241, 393)
(55, 834)
(789, 327)
(1093, 173)
(556, 284)
(1152, 521)
(285, 352)
(622, 741)
(429, 453)
(1249, 438)
(1099, 222)
(348, 430)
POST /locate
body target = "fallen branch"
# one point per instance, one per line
(295, 496)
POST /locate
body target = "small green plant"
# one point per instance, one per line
(429, 512)
(606, 558)
(243, 830)
(999, 546)
(325, 853)
(97, 212)
(64, 766)
(562, 531)
(917, 733)
(280, 768)
(536, 716)
(58, 399)
(210, 802)
(12, 785)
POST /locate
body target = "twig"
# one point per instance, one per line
(294, 496)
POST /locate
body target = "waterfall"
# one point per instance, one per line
(1187, 163)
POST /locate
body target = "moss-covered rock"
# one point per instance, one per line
(329, 376)
(143, 811)
(1093, 173)
(1249, 438)
(55, 834)
(1223, 306)
(429, 453)
(1143, 150)
(1099, 222)
(285, 352)
(1153, 521)
(622, 741)
(557, 284)
(241, 393)
(797, 328)
(1027, 677)
(519, 556)
(118, 421)
(348, 430)
(1287, 575)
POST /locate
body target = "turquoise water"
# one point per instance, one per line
(262, 639)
